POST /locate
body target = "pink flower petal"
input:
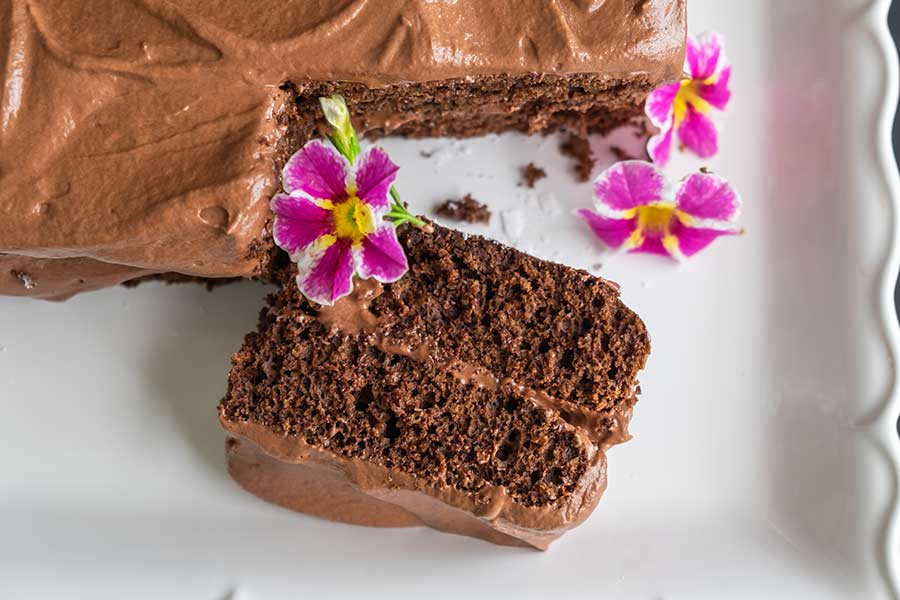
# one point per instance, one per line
(382, 256)
(718, 94)
(317, 170)
(628, 184)
(330, 276)
(706, 196)
(652, 244)
(659, 147)
(660, 104)
(612, 232)
(375, 174)
(692, 240)
(698, 134)
(703, 54)
(298, 222)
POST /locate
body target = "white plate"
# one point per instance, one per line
(765, 459)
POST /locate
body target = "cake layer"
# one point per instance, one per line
(145, 134)
(314, 411)
(476, 105)
(469, 299)
(431, 395)
(337, 392)
(285, 471)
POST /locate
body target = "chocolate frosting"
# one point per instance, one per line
(287, 471)
(140, 133)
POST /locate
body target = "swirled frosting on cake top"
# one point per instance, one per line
(137, 136)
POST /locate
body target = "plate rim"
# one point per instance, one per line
(882, 429)
(885, 426)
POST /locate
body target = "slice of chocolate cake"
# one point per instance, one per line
(146, 137)
(477, 395)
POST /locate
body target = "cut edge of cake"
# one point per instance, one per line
(345, 397)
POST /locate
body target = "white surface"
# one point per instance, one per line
(764, 463)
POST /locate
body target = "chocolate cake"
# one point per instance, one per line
(145, 137)
(478, 394)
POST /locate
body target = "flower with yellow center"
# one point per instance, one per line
(682, 108)
(655, 220)
(339, 210)
(353, 219)
(332, 221)
(634, 212)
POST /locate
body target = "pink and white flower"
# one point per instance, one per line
(683, 108)
(637, 212)
(331, 220)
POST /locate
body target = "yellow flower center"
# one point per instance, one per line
(655, 220)
(689, 95)
(353, 219)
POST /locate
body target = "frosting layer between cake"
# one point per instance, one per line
(280, 466)
(288, 472)
(478, 395)
(139, 136)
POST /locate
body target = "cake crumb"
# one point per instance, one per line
(578, 148)
(26, 279)
(531, 173)
(468, 209)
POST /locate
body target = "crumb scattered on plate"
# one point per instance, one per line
(578, 148)
(531, 173)
(468, 209)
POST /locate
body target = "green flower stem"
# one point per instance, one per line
(345, 141)
(400, 215)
